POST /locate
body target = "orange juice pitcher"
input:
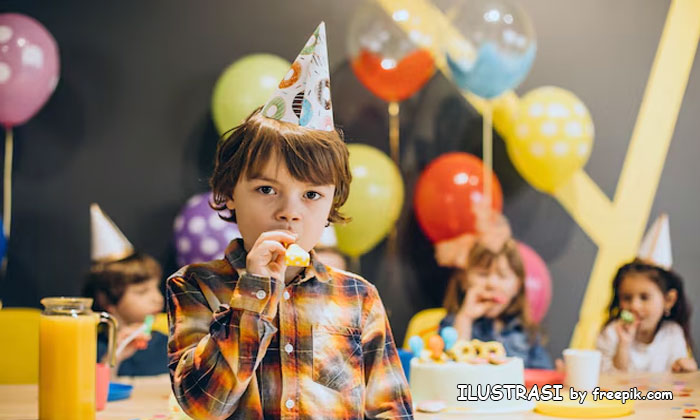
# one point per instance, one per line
(67, 357)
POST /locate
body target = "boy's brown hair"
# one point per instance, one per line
(107, 281)
(313, 156)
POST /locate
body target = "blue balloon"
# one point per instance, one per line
(416, 345)
(493, 49)
(493, 72)
(449, 336)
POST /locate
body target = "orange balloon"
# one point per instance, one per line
(390, 80)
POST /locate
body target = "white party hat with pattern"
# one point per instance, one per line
(656, 245)
(108, 242)
(304, 95)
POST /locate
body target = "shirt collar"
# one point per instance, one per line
(236, 256)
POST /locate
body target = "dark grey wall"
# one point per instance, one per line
(129, 127)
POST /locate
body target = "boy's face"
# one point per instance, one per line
(139, 300)
(277, 201)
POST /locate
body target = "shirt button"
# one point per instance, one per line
(288, 348)
(286, 295)
(289, 404)
(260, 294)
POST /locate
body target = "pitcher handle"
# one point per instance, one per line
(112, 337)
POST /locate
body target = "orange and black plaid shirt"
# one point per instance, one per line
(247, 347)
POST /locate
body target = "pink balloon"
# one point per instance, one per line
(29, 68)
(538, 283)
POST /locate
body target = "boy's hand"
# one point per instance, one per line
(266, 257)
(686, 364)
(625, 330)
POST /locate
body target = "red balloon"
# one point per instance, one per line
(445, 193)
(538, 283)
(29, 66)
(399, 82)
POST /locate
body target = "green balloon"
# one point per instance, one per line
(374, 202)
(245, 85)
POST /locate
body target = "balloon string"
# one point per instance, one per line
(7, 200)
(487, 117)
(394, 124)
(394, 131)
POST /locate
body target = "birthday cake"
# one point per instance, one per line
(435, 377)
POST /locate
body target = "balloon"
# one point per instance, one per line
(449, 336)
(200, 234)
(245, 85)
(551, 138)
(416, 344)
(445, 192)
(392, 65)
(538, 283)
(374, 203)
(29, 68)
(493, 48)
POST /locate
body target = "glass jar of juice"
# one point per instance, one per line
(67, 357)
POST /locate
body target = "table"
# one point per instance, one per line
(149, 400)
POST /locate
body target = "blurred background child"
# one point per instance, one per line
(648, 328)
(485, 297)
(126, 284)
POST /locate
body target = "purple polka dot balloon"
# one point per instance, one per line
(200, 234)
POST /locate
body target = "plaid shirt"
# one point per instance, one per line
(246, 347)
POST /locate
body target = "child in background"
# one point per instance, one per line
(485, 297)
(648, 326)
(327, 250)
(253, 336)
(125, 284)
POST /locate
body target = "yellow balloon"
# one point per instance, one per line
(245, 85)
(374, 203)
(551, 137)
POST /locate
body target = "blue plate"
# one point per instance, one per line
(119, 391)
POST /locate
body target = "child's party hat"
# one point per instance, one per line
(108, 242)
(328, 238)
(656, 245)
(304, 95)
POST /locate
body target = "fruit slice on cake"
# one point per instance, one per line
(296, 256)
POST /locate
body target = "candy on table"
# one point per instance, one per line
(296, 256)
(627, 317)
(449, 336)
(416, 344)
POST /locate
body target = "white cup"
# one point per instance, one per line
(582, 368)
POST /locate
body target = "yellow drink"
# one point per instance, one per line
(67, 358)
(67, 367)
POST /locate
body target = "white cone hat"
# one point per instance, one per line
(108, 242)
(656, 245)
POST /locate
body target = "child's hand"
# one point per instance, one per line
(266, 257)
(626, 331)
(686, 364)
(139, 343)
(474, 305)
